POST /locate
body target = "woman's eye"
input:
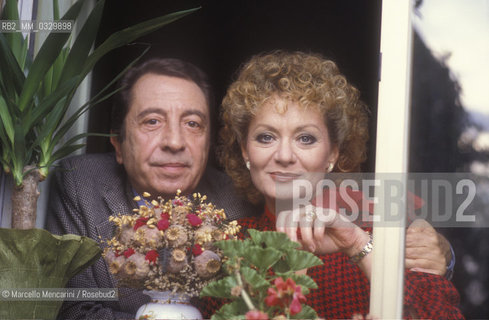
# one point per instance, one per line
(264, 138)
(307, 139)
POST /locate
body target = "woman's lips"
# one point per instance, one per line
(283, 176)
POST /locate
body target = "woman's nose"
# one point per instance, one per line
(284, 153)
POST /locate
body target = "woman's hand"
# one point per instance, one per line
(324, 231)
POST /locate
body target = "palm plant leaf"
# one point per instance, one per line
(48, 53)
(10, 71)
(83, 44)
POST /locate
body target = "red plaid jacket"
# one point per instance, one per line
(343, 290)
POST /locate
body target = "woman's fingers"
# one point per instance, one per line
(287, 224)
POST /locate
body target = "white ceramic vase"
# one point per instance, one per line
(165, 305)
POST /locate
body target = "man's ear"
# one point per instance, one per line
(117, 144)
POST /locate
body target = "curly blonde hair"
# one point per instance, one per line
(307, 79)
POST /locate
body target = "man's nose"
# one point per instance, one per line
(173, 138)
(284, 153)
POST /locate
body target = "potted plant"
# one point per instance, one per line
(35, 94)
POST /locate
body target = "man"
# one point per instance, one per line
(163, 122)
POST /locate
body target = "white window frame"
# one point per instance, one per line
(387, 281)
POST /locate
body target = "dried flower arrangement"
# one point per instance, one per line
(169, 245)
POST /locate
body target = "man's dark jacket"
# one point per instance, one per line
(85, 191)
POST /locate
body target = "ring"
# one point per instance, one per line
(310, 214)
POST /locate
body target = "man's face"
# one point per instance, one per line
(167, 136)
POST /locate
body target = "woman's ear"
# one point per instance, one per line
(244, 152)
(333, 157)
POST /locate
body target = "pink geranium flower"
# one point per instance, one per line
(256, 315)
(286, 294)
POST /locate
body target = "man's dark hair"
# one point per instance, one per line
(160, 66)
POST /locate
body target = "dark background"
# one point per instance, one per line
(223, 34)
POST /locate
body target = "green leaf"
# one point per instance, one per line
(48, 53)
(262, 258)
(282, 267)
(83, 44)
(306, 313)
(298, 260)
(63, 152)
(12, 76)
(219, 289)
(233, 248)
(230, 311)
(304, 281)
(272, 239)
(19, 155)
(14, 39)
(127, 35)
(253, 278)
(35, 115)
(6, 119)
(55, 10)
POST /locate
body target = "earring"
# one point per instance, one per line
(330, 167)
(248, 164)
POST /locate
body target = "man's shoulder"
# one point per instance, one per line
(90, 159)
(100, 166)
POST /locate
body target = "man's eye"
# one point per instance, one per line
(264, 138)
(193, 124)
(151, 122)
(307, 139)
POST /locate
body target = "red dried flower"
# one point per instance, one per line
(197, 249)
(151, 256)
(140, 222)
(256, 315)
(163, 224)
(128, 252)
(194, 220)
(165, 216)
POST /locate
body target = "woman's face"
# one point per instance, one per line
(283, 146)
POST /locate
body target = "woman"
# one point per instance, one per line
(291, 116)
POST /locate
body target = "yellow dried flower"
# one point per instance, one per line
(178, 255)
(137, 198)
(146, 195)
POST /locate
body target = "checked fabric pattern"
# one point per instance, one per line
(343, 290)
